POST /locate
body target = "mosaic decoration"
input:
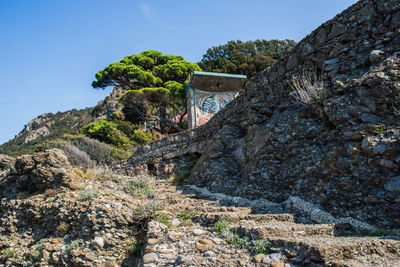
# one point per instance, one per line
(209, 103)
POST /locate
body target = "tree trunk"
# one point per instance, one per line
(163, 118)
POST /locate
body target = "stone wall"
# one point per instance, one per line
(341, 153)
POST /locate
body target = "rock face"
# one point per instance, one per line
(338, 152)
(30, 173)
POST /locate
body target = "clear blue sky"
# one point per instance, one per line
(50, 50)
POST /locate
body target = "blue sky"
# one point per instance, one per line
(50, 50)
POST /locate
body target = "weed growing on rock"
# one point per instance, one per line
(140, 187)
(56, 197)
(134, 248)
(148, 210)
(88, 194)
(38, 248)
(244, 242)
(8, 252)
(180, 177)
(73, 245)
(221, 226)
(308, 87)
(63, 228)
(105, 174)
(164, 218)
(185, 216)
(380, 130)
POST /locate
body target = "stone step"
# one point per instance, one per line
(278, 228)
(234, 217)
(332, 249)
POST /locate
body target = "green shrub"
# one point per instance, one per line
(140, 136)
(244, 242)
(140, 187)
(221, 226)
(164, 218)
(134, 248)
(106, 131)
(8, 252)
(63, 228)
(101, 153)
(73, 245)
(88, 194)
(105, 174)
(148, 210)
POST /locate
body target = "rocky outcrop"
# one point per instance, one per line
(36, 173)
(47, 127)
(340, 151)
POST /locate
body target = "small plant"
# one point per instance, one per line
(140, 187)
(308, 87)
(221, 226)
(187, 214)
(134, 248)
(88, 194)
(8, 252)
(38, 248)
(35, 254)
(140, 136)
(148, 210)
(63, 228)
(104, 174)
(261, 246)
(57, 197)
(73, 245)
(244, 242)
(164, 218)
(380, 130)
(180, 177)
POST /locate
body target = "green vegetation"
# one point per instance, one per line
(38, 248)
(88, 194)
(244, 242)
(164, 218)
(69, 122)
(140, 187)
(8, 252)
(148, 210)
(63, 228)
(247, 58)
(154, 86)
(56, 197)
(180, 177)
(134, 248)
(380, 130)
(140, 136)
(106, 131)
(73, 245)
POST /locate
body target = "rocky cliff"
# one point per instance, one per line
(46, 127)
(340, 151)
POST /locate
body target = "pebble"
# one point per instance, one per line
(175, 222)
(198, 232)
(150, 257)
(258, 258)
(209, 253)
(98, 242)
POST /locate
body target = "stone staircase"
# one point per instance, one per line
(194, 242)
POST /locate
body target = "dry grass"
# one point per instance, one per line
(308, 87)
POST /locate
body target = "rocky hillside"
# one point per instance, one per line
(47, 127)
(340, 150)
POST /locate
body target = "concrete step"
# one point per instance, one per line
(282, 228)
(234, 217)
(332, 249)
